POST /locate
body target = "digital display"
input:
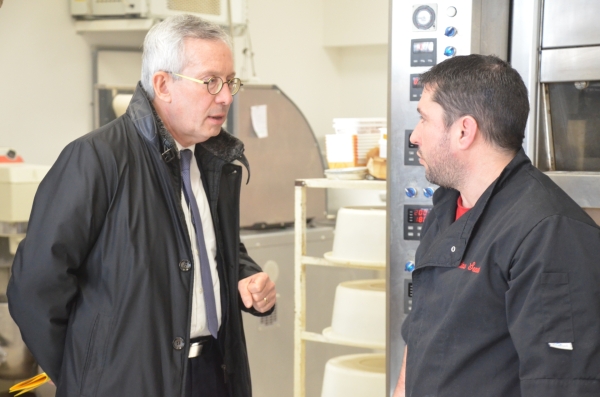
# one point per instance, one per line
(414, 219)
(417, 215)
(416, 81)
(423, 52)
(423, 46)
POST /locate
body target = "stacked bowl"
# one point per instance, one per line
(359, 237)
(359, 306)
(355, 375)
(359, 314)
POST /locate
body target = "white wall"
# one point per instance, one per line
(325, 82)
(363, 72)
(356, 22)
(45, 94)
(287, 39)
(45, 99)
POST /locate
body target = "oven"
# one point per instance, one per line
(556, 48)
(554, 45)
(422, 34)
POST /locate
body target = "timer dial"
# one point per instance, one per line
(424, 17)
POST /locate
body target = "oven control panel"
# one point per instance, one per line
(414, 217)
(439, 31)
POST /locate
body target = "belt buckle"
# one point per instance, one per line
(195, 349)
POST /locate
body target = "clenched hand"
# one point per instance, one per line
(258, 291)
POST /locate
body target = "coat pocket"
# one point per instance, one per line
(557, 312)
(95, 356)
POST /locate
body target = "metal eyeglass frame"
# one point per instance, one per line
(210, 80)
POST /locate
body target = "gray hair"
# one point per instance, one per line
(164, 45)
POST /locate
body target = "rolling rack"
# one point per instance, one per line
(301, 335)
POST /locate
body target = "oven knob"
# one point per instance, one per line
(451, 31)
(410, 192)
(450, 51)
(451, 11)
(428, 192)
(409, 266)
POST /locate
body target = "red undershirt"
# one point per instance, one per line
(460, 210)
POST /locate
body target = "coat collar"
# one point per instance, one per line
(444, 201)
(224, 146)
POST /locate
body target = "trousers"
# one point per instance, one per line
(205, 374)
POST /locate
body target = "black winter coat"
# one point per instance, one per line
(97, 288)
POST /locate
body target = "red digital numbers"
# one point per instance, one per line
(418, 216)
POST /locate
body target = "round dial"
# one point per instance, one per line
(424, 17)
(450, 51)
(450, 31)
(410, 192)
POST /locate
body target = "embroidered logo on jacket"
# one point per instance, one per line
(470, 267)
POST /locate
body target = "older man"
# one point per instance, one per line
(132, 275)
(506, 286)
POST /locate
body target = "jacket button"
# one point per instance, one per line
(178, 343)
(453, 249)
(185, 265)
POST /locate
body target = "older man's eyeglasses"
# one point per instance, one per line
(215, 84)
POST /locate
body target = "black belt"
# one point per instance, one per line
(199, 344)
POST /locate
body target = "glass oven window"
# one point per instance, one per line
(575, 115)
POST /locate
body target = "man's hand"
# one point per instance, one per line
(258, 291)
(400, 387)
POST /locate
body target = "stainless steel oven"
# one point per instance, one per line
(422, 34)
(556, 48)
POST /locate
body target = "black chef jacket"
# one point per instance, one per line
(493, 289)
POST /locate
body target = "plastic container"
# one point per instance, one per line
(356, 375)
(359, 314)
(360, 236)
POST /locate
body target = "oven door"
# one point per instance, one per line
(569, 128)
(569, 123)
(570, 23)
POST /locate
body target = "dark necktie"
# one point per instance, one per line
(207, 284)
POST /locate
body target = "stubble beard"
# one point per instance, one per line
(443, 169)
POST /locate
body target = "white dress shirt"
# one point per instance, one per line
(199, 325)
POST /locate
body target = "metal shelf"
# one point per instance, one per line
(316, 261)
(301, 260)
(342, 183)
(316, 337)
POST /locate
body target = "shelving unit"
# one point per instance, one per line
(301, 336)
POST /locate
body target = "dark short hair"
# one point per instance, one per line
(486, 88)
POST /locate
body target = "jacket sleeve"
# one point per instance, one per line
(67, 215)
(553, 309)
(247, 268)
(247, 265)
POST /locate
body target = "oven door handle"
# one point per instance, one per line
(548, 127)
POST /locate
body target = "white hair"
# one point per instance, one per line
(164, 48)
